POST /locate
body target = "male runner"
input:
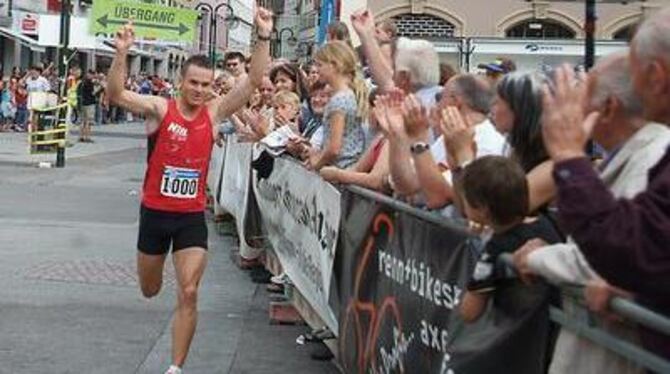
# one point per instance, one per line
(173, 201)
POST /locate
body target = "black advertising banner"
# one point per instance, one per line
(400, 280)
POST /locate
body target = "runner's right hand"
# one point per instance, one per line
(125, 37)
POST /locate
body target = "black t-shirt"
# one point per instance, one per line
(87, 92)
(488, 275)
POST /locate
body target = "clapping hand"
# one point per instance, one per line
(459, 137)
(565, 127)
(416, 118)
(393, 115)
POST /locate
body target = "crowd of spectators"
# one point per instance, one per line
(507, 151)
(84, 91)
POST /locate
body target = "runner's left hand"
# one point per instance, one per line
(264, 21)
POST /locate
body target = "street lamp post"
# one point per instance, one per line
(589, 31)
(213, 11)
(63, 61)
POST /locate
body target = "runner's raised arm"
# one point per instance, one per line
(224, 106)
(148, 106)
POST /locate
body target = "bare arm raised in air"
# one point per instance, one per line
(152, 107)
(380, 67)
(224, 106)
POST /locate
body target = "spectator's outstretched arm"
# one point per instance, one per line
(560, 263)
(367, 176)
(541, 186)
(626, 241)
(382, 73)
(226, 105)
(148, 106)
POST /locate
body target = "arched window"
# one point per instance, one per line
(625, 33)
(423, 26)
(540, 29)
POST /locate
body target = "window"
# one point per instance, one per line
(625, 33)
(423, 26)
(540, 29)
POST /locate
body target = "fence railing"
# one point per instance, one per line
(586, 327)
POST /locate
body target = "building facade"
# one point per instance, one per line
(30, 34)
(534, 33)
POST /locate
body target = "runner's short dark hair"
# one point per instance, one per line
(200, 61)
(497, 184)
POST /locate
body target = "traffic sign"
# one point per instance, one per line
(149, 20)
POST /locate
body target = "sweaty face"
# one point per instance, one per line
(197, 85)
(284, 83)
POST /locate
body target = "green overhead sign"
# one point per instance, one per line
(150, 21)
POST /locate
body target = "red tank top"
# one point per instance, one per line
(178, 162)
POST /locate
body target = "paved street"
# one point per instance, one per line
(69, 301)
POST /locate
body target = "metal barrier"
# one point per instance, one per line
(586, 328)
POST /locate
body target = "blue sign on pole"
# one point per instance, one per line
(326, 17)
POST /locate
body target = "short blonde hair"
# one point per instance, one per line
(286, 97)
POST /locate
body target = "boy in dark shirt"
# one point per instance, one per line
(495, 193)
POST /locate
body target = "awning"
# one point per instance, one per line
(139, 52)
(104, 50)
(29, 42)
(545, 47)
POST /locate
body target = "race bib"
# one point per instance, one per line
(180, 183)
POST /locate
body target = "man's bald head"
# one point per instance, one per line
(650, 66)
(651, 39)
(473, 90)
(611, 78)
(611, 93)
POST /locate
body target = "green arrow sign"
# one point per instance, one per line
(150, 21)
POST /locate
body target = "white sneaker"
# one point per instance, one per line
(173, 370)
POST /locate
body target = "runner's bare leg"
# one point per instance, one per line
(189, 265)
(150, 272)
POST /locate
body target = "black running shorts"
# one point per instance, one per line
(159, 229)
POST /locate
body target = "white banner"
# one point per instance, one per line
(301, 214)
(233, 191)
(215, 175)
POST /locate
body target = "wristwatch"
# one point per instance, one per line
(263, 38)
(419, 147)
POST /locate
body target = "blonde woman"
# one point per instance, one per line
(344, 139)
